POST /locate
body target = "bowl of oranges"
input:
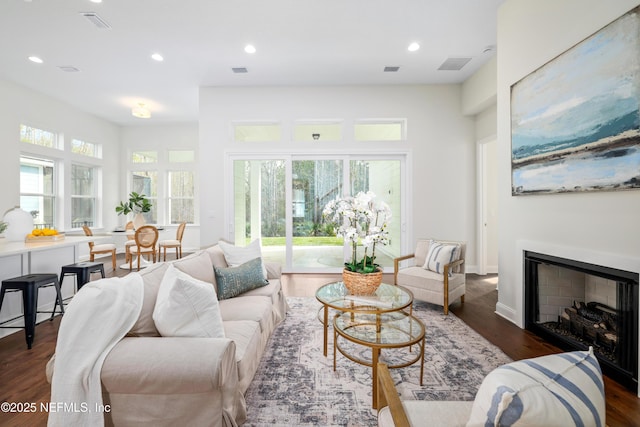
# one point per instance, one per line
(44, 234)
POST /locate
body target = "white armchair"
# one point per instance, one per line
(436, 273)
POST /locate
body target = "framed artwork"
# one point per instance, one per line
(575, 121)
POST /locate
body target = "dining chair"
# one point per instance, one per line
(104, 248)
(176, 243)
(146, 238)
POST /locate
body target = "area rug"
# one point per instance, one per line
(295, 384)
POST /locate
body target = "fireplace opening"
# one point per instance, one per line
(574, 305)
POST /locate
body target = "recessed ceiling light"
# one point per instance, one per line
(250, 48)
(157, 57)
(95, 1)
(35, 59)
(413, 47)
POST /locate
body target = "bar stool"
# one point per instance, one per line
(29, 285)
(82, 271)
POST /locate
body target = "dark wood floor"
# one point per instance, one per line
(22, 371)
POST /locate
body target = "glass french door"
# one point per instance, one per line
(280, 201)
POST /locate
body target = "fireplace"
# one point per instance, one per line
(574, 305)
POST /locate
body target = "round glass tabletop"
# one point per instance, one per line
(387, 298)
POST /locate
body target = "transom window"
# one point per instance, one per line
(86, 148)
(380, 130)
(257, 132)
(32, 135)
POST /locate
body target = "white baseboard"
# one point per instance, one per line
(509, 314)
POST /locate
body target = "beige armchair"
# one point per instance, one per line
(441, 282)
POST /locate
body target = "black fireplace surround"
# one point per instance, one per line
(619, 361)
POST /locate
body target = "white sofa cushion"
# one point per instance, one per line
(187, 307)
(557, 390)
(237, 255)
(197, 265)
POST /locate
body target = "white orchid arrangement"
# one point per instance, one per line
(360, 219)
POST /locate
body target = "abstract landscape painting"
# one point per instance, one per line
(575, 122)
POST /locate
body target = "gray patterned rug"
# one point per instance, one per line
(296, 385)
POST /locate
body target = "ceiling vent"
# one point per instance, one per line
(454, 64)
(389, 69)
(96, 20)
(68, 68)
(240, 70)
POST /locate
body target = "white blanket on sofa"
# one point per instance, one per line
(97, 318)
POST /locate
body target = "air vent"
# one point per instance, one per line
(240, 70)
(96, 20)
(68, 68)
(391, 69)
(454, 64)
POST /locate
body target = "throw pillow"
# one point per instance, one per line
(233, 281)
(187, 307)
(236, 255)
(557, 390)
(441, 254)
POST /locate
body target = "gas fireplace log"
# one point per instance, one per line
(588, 330)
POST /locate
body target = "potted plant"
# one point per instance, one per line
(138, 204)
(360, 220)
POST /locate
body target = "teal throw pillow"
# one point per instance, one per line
(233, 281)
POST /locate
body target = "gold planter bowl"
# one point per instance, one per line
(361, 283)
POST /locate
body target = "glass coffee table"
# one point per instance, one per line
(392, 331)
(387, 299)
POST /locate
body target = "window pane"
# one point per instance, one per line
(37, 136)
(41, 209)
(256, 132)
(37, 190)
(83, 200)
(82, 212)
(181, 184)
(382, 177)
(85, 148)
(315, 183)
(36, 176)
(82, 182)
(181, 192)
(259, 205)
(317, 132)
(181, 156)
(379, 131)
(146, 182)
(144, 157)
(182, 210)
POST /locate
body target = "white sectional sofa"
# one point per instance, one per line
(149, 380)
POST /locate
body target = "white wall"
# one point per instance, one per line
(440, 141)
(597, 225)
(161, 138)
(19, 105)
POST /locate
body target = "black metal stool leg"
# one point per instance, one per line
(58, 300)
(29, 303)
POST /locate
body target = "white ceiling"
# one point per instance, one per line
(299, 42)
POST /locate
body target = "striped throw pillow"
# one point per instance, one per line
(563, 389)
(441, 254)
